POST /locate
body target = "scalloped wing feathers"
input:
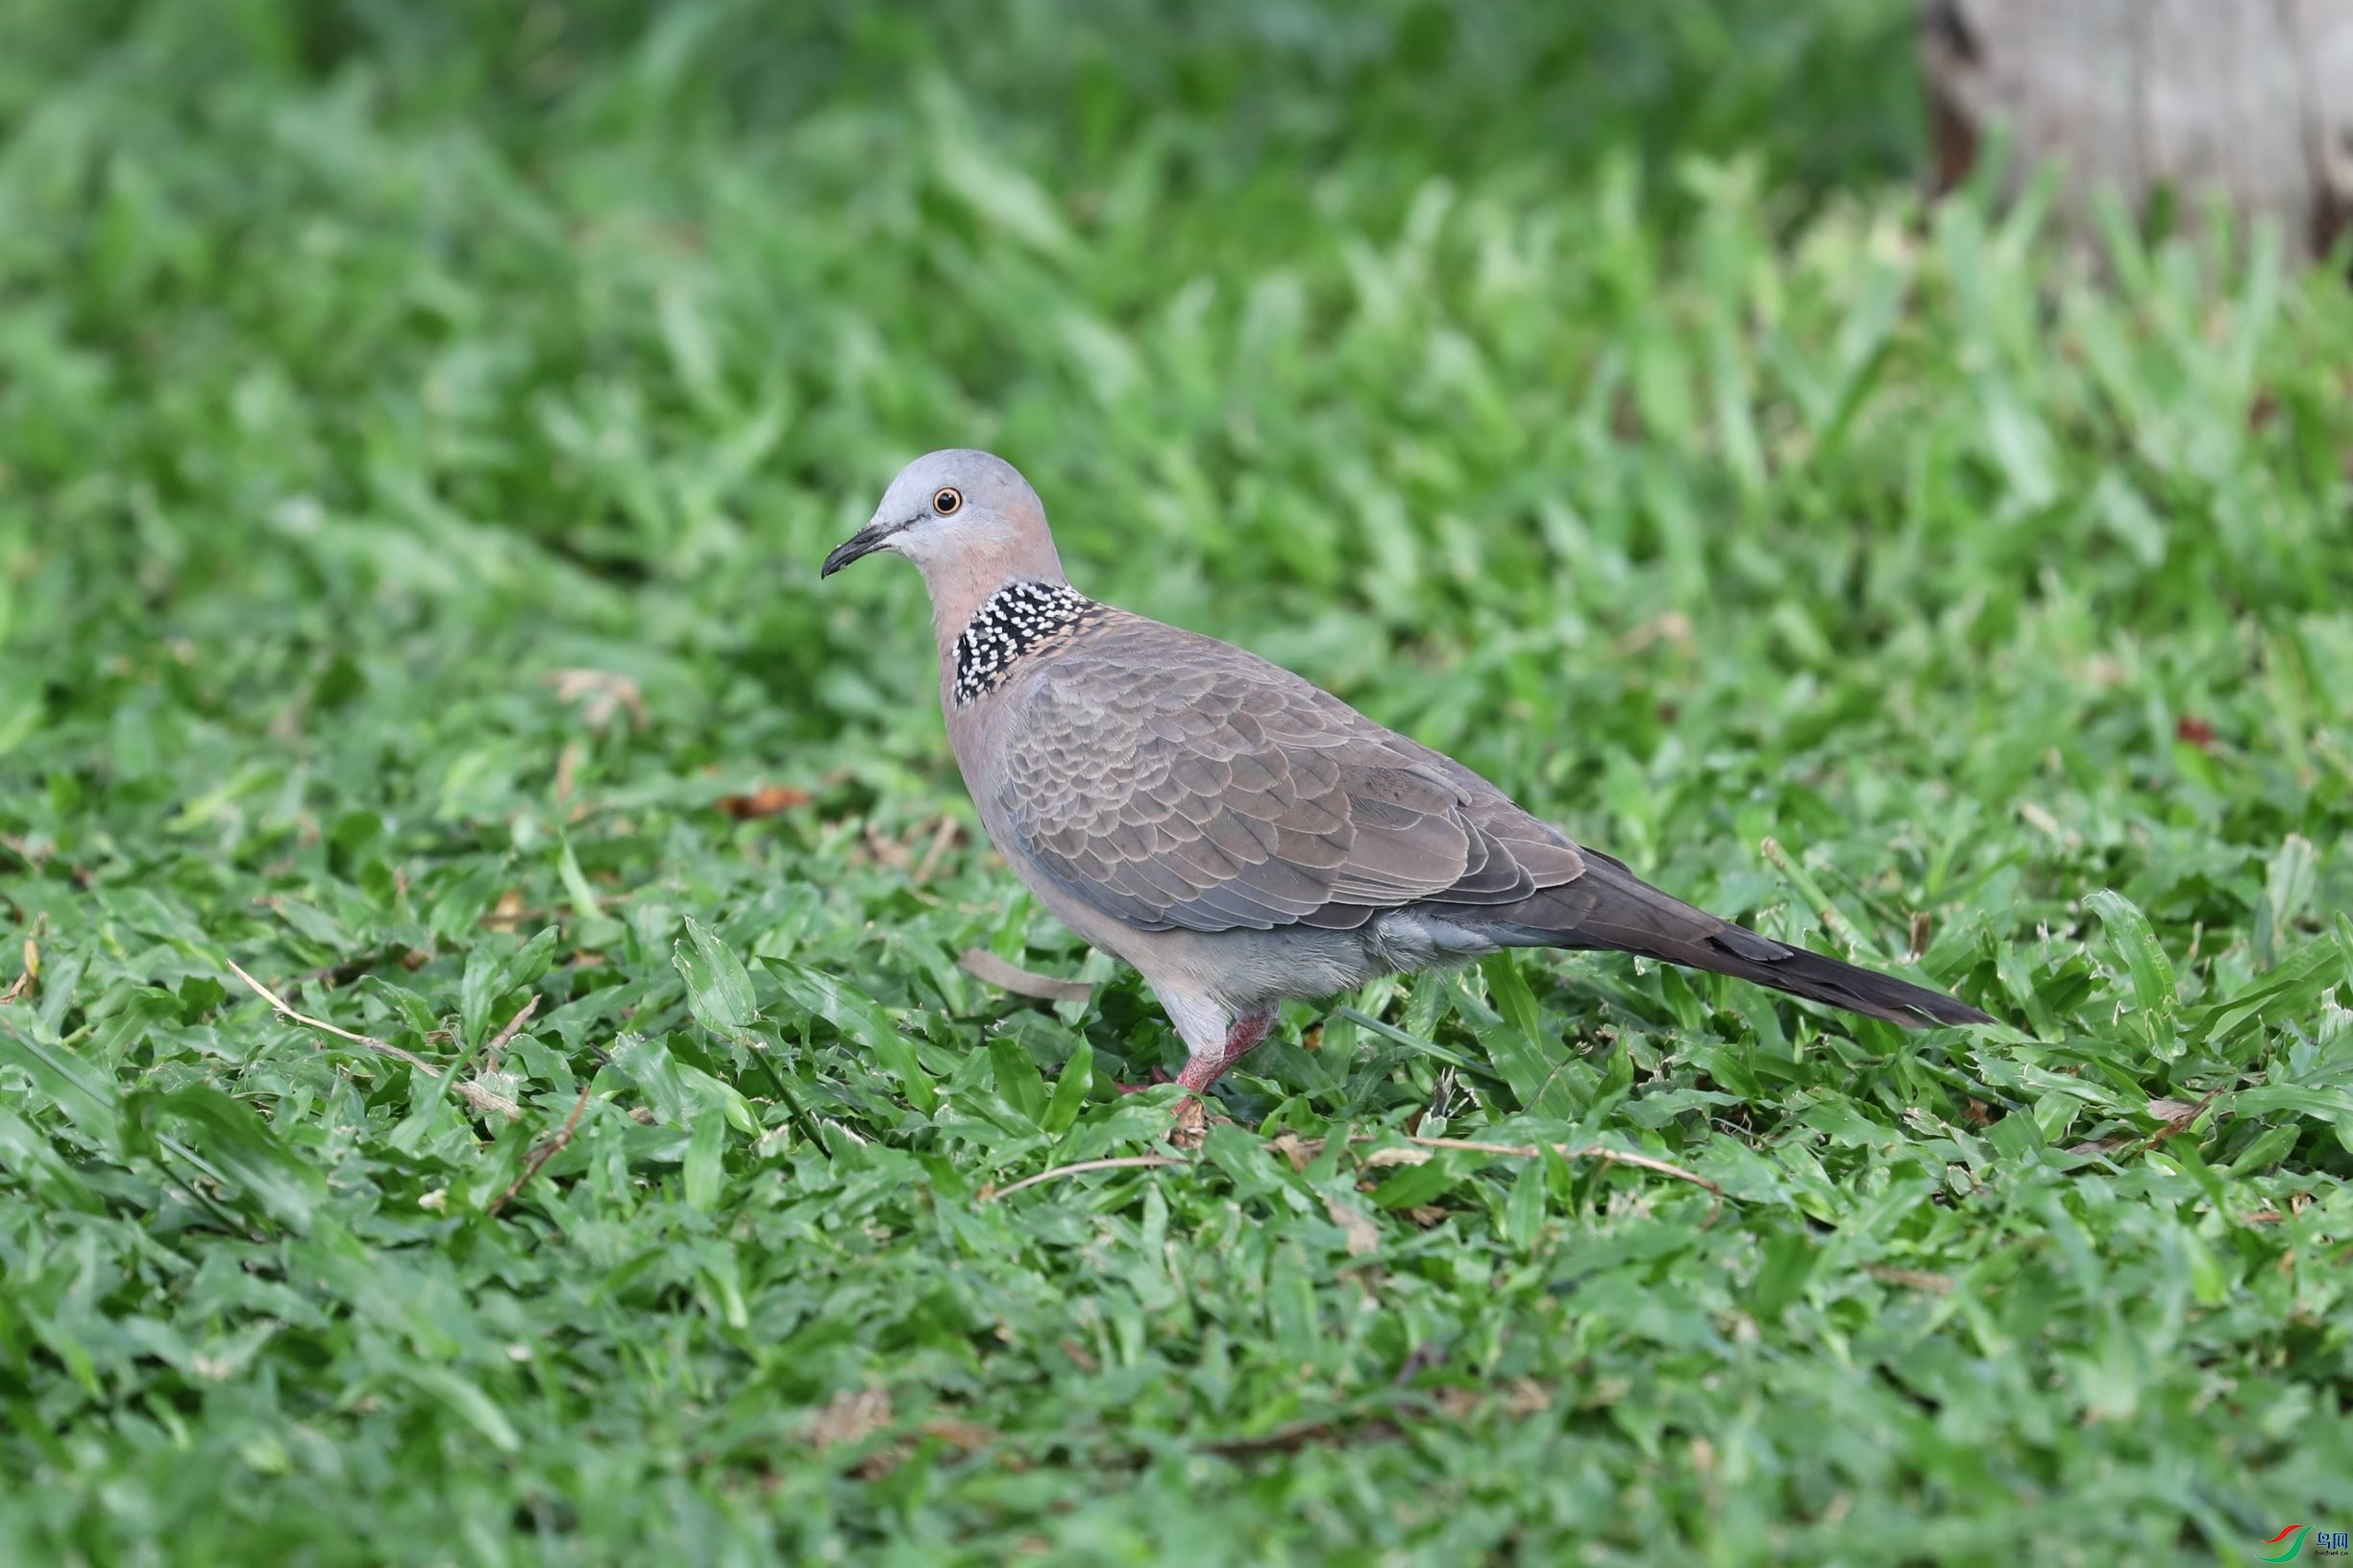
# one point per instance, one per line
(1175, 782)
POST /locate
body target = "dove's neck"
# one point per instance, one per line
(960, 588)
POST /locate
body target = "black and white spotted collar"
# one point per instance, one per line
(1010, 623)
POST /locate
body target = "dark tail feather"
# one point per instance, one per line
(1610, 907)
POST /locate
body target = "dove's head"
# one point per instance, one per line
(968, 519)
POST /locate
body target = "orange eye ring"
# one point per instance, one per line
(948, 501)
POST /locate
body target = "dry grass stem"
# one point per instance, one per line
(499, 1041)
(541, 1152)
(1132, 1161)
(473, 1094)
(942, 839)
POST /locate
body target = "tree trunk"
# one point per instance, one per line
(2248, 99)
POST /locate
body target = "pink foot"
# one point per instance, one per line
(1243, 1038)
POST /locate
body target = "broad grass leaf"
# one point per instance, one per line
(1780, 1279)
(1018, 1079)
(647, 1064)
(2288, 882)
(20, 713)
(29, 1157)
(860, 1020)
(411, 1009)
(1291, 1316)
(488, 977)
(1524, 1210)
(1001, 193)
(88, 1098)
(2327, 1102)
(2155, 995)
(2274, 1144)
(477, 989)
(2286, 992)
(529, 963)
(464, 1397)
(2018, 1137)
(585, 904)
(1517, 1047)
(717, 1094)
(1417, 1185)
(279, 1181)
(704, 1148)
(718, 988)
(1071, 1089)
(1416, 1042)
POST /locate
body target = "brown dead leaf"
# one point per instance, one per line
(1364, 1236)
(2178, 1115)
(768, 801)
(986, 966)
(1674, 627)
(965, 1436)
(1917, 1279)
(1298, 1151)
(1526, 1397)
(568, 769)
(601, 695)
(23, 984)
(888, 851)
(853, 1417)
(2041, 819)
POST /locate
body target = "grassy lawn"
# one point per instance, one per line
(419, 430)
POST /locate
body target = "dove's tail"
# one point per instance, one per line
(1610, 907)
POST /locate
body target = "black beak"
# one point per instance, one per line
(864, 542)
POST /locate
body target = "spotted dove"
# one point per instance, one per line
(1237, 835)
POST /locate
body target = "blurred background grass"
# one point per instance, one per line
(1586, 390)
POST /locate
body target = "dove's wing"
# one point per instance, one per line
(1175, 782)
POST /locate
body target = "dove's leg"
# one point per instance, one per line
(1243, 1036)
(1203, 1068)
(1214, 1040)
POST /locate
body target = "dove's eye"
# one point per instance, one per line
(947, 502)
